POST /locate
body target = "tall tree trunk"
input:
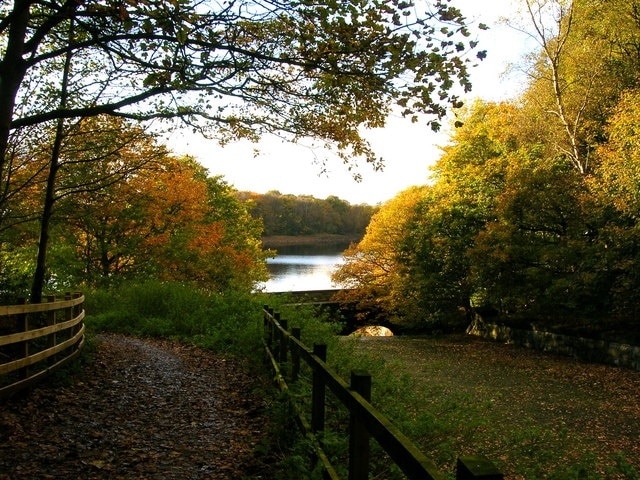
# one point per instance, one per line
(39, 275)
(12, 72)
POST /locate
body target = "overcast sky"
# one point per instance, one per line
(408, 149)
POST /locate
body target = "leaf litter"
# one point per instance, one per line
(142, 409)
(537, 415)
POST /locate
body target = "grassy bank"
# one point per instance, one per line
(537, 416)
(224, 322)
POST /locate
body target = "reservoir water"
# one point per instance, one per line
(302, 268)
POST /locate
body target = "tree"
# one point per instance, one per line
(550, 248)
(538, 255)
(244, 67)
(534, 204)
(168, 220)
(553, 42)
(237, 69)
(306, 215)
(615, 187)
(372, 274)
(88, 156)
(468, 178)
(587, 58)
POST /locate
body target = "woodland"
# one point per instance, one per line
(298, 215)
(89, 196)
(531, 213)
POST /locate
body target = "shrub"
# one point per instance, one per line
(220, 321)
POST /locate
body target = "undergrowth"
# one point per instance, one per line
(224, 322)
(342, 358)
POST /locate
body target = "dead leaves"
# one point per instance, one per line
(534, 413)
(143, 409)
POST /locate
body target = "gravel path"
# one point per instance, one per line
(141, 410)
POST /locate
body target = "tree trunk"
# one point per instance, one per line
(39, 274)
(12, 71)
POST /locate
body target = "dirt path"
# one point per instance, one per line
(142, 410)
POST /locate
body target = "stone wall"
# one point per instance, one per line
(587, 349)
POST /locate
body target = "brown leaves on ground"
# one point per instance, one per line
(538, 415)
(142, 410)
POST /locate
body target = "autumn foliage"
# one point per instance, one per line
(532, 208)
(135, 212)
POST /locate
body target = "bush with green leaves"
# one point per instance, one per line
(228, 322)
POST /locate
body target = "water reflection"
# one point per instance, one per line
(306, 269)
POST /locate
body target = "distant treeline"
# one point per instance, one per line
(305, 215)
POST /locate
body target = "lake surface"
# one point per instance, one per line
(303, 268)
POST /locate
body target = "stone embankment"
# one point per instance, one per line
(588, 349)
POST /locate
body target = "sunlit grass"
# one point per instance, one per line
(225, 322)
(536, 416)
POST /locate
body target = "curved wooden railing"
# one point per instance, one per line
(36, 339)
(284, 350)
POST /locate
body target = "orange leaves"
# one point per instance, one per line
(373, 267)
(166, 219)
(206, 238)
(186, 245)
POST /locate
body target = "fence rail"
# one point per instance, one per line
(285, 351)
(36, 339)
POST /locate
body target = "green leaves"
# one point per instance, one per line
(533, 206)
(272, 62)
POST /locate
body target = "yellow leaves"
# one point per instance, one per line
(372, 265)
(99, 464)
(618, 171)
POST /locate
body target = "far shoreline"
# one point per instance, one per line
(319, 239)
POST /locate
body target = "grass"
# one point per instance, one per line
(535, 415)
(224, 322)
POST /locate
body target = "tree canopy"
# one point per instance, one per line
(532, 209)
(234, 69)
(230, 70)
(297, 215)
(125, 209)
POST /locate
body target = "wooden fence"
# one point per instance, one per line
(36, 339)
(285, 351)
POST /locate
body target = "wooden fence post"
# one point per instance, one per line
(68, 315)
(275, 336)
(358, 434)
(477, 468)
(270, 313)
(22, 325)
(265, 335)
(318, 391)
(77, 310)
(283, 343)
(295, 355)
(51, 320)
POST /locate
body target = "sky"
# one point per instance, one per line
(407, 149)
